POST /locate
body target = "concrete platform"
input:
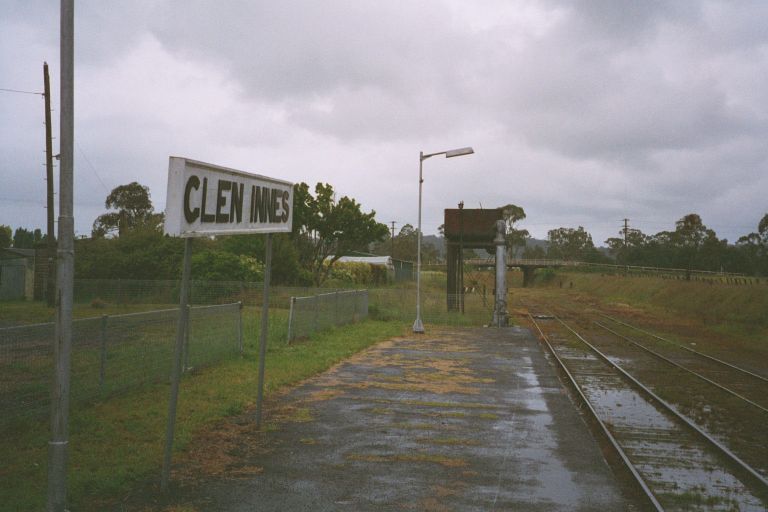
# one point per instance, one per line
(466, 419)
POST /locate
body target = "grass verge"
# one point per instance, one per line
(708, 303)
(116, 444)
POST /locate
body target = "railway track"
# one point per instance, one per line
(675, 463)
(716, 361)
(728, 402)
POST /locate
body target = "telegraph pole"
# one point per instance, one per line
(626, 232)
(51, 283)
(392, 250)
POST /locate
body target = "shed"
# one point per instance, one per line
(397, 270)
(17, 274)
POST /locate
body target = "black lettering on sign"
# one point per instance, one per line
(206, 217)
(257, 200)
(252, 209)
(286, 208)
(236, 202)
(221, 200)
(274, 205)
(191, 215)
(264, 205)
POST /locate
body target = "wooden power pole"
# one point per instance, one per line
(392, 241)
(626, 231)
(50, 290)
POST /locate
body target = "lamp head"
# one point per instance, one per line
(459, 152)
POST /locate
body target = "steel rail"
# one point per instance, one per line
(678, 365)
(680, 345)
(749, 470)
(606, 432)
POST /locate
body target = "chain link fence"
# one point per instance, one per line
(400, 304)
(110, 354)
(121, 352)
(124, 292)
(319, 312)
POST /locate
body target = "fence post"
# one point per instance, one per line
(103, 343)
(336, 309)
(290, 320)
(185, 364)
(240, 327)
(314, 318)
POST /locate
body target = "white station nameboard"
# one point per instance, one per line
(205, 199)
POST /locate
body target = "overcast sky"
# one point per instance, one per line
(582, 112)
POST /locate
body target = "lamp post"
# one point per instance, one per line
(418, 325)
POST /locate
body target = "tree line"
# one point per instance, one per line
(127, 242)
(690, 246)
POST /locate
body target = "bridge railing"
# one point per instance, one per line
(543, 262)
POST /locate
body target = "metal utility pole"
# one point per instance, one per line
(460, 291)
(62, 343)
(50, 284)
(418, 325)
(181, 334)
(264, 328)
(392, 249)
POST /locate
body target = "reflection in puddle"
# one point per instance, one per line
(685, 476)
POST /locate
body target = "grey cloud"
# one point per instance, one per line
(583, 111)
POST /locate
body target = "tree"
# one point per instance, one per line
(217, 265)
(627, 247)
(535, 252)
(286, 268)
(5, 236)
(689, 237)
(134, 209)
(513, 214)
(570, 244)
(138, 254)
(405, 244)
(753, 249)
(326, 229)
(26, 239)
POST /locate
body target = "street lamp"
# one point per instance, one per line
(418, 325)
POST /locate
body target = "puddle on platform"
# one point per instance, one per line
(534, 399)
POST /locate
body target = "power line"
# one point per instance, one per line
(93, 169)
(21, 92)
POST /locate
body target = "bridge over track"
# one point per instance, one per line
(528, 266)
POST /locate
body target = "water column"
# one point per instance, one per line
(500, 316)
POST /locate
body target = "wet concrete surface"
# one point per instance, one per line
(465, 419)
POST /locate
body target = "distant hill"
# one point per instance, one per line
(435, 241)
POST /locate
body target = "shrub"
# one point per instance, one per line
(97, 303)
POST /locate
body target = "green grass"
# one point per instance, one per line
(117, 444)
(116, 438)
(712, 304)
(19, 312)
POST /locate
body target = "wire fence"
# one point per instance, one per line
(121, 352)
(400, 304)
(123, 292)
(319, 312)
(110, 354)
